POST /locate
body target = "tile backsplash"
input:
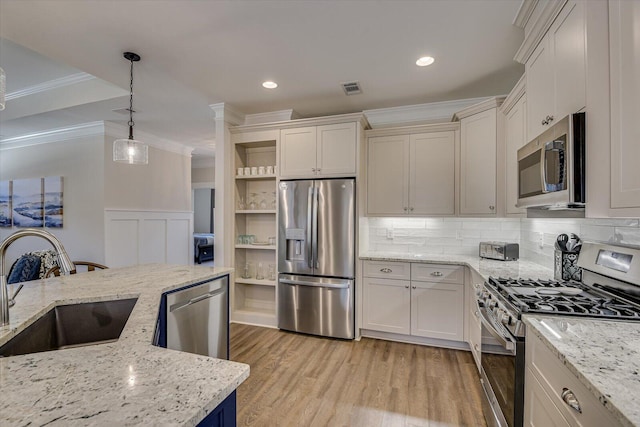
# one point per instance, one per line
(461, 236)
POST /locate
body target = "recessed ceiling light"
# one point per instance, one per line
(424, 61)
(270, 85)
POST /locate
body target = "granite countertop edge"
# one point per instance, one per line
(129, 381)
(578, 351)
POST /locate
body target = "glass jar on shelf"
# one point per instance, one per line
(251, 202)
(241, 205)
(273, 200)
(263, 200)
(260, 271)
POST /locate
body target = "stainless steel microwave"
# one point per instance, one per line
(551, 168)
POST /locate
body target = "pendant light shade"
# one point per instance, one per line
(3, 88)
(129, 150)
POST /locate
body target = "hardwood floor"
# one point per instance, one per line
(301, 380)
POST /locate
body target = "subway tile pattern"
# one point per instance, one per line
(461, 236)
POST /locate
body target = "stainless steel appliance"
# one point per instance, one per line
(610, 289)
(551, 168)
(316, 257)
(198, 319)
(502, 251)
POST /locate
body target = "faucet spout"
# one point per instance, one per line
(65, 264)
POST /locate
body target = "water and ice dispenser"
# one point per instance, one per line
(295, 241)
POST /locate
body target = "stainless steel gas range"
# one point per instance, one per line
(609, 290)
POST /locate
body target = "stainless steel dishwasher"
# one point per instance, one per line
(198, 319)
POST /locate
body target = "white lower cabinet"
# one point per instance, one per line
(429, 309)
(554, 396)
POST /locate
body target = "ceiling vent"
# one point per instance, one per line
(351, 88)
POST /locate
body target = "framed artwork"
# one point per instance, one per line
(26, 202)
(53, 206)
(5, 203)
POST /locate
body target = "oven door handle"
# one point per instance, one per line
(505, 342)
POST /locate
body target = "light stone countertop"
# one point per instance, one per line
(128, 382)
(485, 267)
(603, 355)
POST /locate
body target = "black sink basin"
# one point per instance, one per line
(72, 325)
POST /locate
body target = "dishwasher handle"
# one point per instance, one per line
(183, 304)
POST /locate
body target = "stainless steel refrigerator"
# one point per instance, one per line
(316, 256)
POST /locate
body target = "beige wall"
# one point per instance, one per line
(81, 162)
(203, 175)
(162, 185)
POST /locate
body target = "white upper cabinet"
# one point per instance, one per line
(297, 152)
(624, 24)
(515, 110)
(388, 175)
(411, 174)
(478, 173)
(556, 71)
(318, 151)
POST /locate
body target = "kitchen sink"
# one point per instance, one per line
(72, 325)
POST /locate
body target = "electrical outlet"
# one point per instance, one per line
(541, 240)
(389, 233)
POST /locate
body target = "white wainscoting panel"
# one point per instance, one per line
(142, 237)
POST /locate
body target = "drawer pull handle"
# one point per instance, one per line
(571, 400)
(476, 314)
(386, 270)
(476, 347)
(437, 274)
(406, 286)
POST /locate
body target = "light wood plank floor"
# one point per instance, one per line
(301, 380)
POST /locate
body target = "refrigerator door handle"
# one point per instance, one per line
(314, 284)
(314, 227)
(309, 243)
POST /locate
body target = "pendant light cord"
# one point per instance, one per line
(131, 123)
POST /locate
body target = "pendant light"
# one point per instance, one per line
(129, 150)
(3, 88)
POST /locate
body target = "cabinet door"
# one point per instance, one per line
(478, 164)
(516, 137)
(298, 152)
(539, 410)
(388, 175)
(567, 38)
(624, 24)
(432, 174)
(336, 150)
(387, 305)
(540, 90)
(437, 310)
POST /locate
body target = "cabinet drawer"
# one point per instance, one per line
(555, 378)
(437, 273)
(387, 270)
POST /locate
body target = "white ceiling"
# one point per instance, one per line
(196, 53)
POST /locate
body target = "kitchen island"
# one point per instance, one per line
(126, 382)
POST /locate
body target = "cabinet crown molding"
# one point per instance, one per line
(516, 93)
(550, 11)
(409, 130)
(524, 13)
(271, 116)
(315, 121)
(479, 108)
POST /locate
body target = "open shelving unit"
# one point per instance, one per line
(254, 300)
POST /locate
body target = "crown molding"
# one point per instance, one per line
(514, 96)
(50, 85)
(418, 114)
(407, 130)
(540, 27)
(314, 121)
(115, 130)
(490, 103)
(273, 116)
(524, 13)
(54, 135)
(227, 113)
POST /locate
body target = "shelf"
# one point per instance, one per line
(256, 177)
(255, 317)
(261, 247)
(256, 211)
(256, 282)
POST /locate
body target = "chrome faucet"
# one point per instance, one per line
(65, 264)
